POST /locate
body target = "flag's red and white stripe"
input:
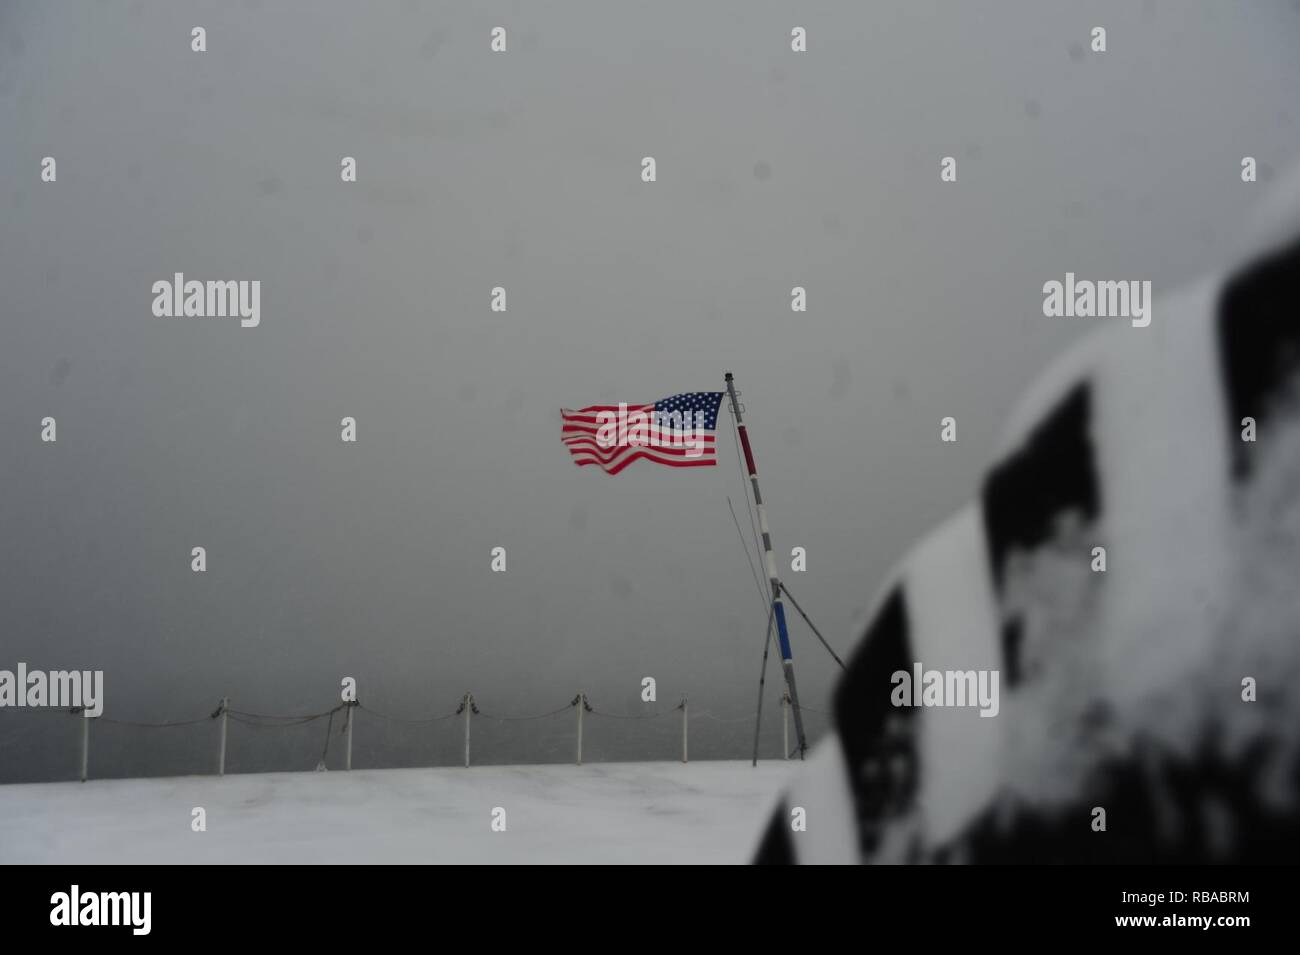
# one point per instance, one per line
(663, 445)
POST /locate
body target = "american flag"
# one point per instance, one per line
(678, 431)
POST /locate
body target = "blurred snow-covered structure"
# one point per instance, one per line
(1124, 689)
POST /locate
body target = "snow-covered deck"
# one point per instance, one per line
(705, 812)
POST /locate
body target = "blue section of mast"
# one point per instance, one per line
(781, 633)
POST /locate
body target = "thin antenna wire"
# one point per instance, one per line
(745, 547)
(762, 679)
(767, 637)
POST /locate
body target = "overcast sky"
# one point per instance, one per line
(522, 170)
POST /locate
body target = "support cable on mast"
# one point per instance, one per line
(833, 654)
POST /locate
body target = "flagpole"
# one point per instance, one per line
(778, 607)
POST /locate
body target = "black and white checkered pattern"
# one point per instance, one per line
(1131, 441)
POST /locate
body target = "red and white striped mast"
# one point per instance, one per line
(778, 607)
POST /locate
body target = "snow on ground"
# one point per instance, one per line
(702, 812)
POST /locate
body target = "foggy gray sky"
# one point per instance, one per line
(522, 170)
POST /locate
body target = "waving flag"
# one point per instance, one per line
(678, 431)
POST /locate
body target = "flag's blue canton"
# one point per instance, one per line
(706, 402)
